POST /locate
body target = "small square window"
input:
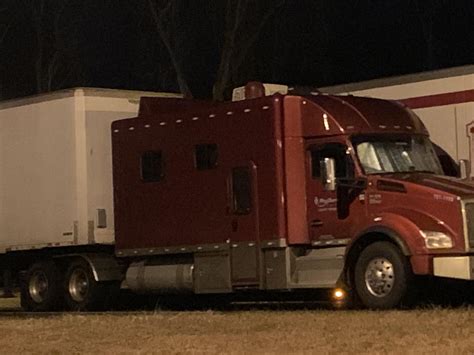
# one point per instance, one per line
(152, 166)
(205, 156)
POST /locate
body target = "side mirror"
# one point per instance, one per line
(464, 169)
(328, 174)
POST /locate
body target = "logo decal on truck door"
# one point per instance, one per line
(325, 204)
(375, 199)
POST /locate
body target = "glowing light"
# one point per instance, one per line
(326, 122)
(339, 294)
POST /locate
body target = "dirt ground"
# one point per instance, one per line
(438, 330)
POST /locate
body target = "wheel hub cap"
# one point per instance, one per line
(78, 285)
(379, 277)
(38, 286)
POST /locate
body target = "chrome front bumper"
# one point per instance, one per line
(456, 267)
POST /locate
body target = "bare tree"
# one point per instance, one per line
(51, 68)
(167, 23)
(243, 26)
(243, 23)
(46, 59)
(37, 16)
(59, 68)
(427, 12)
(4, 26)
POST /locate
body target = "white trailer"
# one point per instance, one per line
(443, 99)
(56, 169)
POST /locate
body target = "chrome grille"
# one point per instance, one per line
(469, 208)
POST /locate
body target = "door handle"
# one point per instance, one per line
(316, 223)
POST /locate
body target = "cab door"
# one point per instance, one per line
(331, 214)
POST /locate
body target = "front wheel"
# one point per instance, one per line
(382, 276)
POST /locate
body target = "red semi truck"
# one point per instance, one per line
(273, 193)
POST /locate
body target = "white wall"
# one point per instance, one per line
(441, 124)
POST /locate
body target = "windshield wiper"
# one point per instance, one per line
(402, 172)
(421, 171)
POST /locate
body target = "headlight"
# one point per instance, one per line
(437, 240)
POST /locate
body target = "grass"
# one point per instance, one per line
(438, 330)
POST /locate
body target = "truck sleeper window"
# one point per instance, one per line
(151, 166)
(205, 156)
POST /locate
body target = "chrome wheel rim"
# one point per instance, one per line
(379, 277)
(38, 286)
(78, 285)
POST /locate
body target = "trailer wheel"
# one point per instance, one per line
(382, 276)
(41, 288)
(83, 292)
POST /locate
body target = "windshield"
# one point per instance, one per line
(380, 155)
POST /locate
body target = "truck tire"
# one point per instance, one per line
(41, 288)
(83, 292)
(382, 276)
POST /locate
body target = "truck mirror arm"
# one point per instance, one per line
(359, 183)
(347, 190)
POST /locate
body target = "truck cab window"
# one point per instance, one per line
(395, 154)
(241, 190)
(151, 166)
(337, 151)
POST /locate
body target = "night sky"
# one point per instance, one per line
(115, 44)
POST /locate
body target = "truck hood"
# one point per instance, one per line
(448, 185)
(430, 202)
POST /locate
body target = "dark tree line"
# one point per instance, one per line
(205, 48)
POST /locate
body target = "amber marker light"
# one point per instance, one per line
(339, 298)
(338, 294)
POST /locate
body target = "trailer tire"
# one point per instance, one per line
(41, 288)
(382, 276)
(83, 292)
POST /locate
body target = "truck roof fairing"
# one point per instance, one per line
(304, 116)
(358, 115)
